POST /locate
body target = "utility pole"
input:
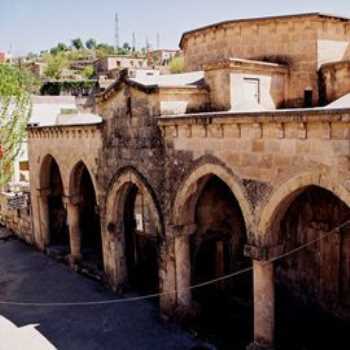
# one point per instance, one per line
(116, 23)
(133, 41)
(148, 45)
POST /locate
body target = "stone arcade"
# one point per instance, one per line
(193, 176)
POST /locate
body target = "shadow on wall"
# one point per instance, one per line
(347, 53)
(27, 337)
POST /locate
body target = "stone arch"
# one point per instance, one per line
(186, 197)
(123, 234)
(84, 218)
(44, 173)
(118, 190)
(311, 286)
(212, 219)
(280, 200)
(51, 196)
(75, 178)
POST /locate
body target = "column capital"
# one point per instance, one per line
(263, 253)
(256, 346)
(43, 192)
(183, 230)
(73, 200)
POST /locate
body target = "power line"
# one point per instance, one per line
(195, 286)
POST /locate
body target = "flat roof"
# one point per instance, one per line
(254, 19)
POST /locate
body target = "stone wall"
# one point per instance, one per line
(292, 41)
(335, 80)
(226, 81)
(19, 221)
(262, 150)
(67, 146)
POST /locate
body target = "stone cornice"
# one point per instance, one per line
(286, 116)
(64, 131)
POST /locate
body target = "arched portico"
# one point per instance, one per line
(211, 216)
(284, 195)
(186, 196)
(52, 210)
(84, 219)
(135, 230)
(300, 211)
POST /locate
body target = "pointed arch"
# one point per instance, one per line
(280, 200)
(75, 178)
(183, 207)
(118, 191)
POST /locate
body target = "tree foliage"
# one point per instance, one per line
(55, 65)
(77, 44)
(177, 65)
(15, 109)
(91, 44)
(88, 72)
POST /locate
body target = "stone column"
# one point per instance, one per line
(167, 278)
(43, 218)
(183, 271)
(114, 255)
(73, 215)
(264, 305)
(183, 266)
(264, 295)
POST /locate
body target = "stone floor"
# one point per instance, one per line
(27, 275)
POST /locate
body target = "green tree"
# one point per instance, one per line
(177, 65)
(104, 50)
(88, 72)
(62, 47)
(77, 44)
(91, 44)
(55, 65)
(126, 46)
(15, 109)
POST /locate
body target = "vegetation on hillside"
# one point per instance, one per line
(15, 109)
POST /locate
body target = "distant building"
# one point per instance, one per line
(106, 65)
(37, 68)
(161, 57)
(5, 57)
(2, 57)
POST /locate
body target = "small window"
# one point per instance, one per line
(308, 98)
(129, 106)
(24, 165)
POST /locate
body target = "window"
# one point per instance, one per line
(308, 98)
(129, 106)
(24, 165)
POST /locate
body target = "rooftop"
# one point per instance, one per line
(267, 18)
(170, 80)
(59, 110)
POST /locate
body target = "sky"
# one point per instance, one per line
(35, 25)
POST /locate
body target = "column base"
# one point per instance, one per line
(256, 346)
(73, 260)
